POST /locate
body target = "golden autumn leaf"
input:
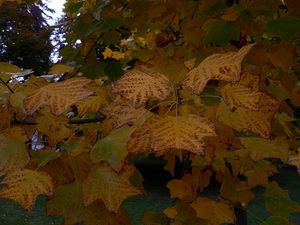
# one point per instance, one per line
(13, 154)
(124, 113)
(59, 96)
(138, 87)
(236, 95)
(215, 213)
(180, 189)
(91, 104)
(159, 134)
(218, 66)
(243, 119)
(23, 186)
(105, 184)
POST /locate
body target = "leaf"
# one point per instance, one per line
(180, 189)
(284, 27)
(112, 148)
(278, 202)
(13, 154)
(230, 15)
(276, 220)
(59, 96)
(260, 148)
(105, 184)
(23, 186)
(154, 218)
(226, 66)
(236, 96)
(215, 212)
(91, 104)
(138, 87)
(53, 127)
(243, 119)
(159, 134)
(295, 160)
(68, 201)
(219, 32)
(125, 113)
(7, 70)
(61, 69)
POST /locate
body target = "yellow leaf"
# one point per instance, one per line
(118, 55)
(124, 113)
(7, 70)
(60, 69)
(215, 212)
(160, 134)
(107, 53)
(105, 184)
(13, 154)
(23, 186)
(59, 96)
(225, 67)
(180, 189)
(92, 104)
(138, 87)
(243, 119)
(236, 95)
(53, 127)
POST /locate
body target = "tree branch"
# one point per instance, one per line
(72, 121)
(6, 85)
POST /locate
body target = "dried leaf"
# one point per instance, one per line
(160, 134)
(59, 96)
(105, 184)
(138, 87)
(91, 104)
(23, 186)
(243, 119)
(225, 67)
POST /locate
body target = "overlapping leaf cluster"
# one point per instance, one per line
(212, 82)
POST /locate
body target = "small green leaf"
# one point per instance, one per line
(112, 148)
(285, 27)
(219, 32)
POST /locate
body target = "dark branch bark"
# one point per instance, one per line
(72, 121)
(6, 85)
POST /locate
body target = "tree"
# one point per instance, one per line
(209, 85)
(25, 36)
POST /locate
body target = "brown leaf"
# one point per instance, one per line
(225, 67)
(59, 96)
(138, 87)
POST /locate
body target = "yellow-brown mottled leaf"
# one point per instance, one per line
(160, 134)
(13, 154)
(23, 186)
(242, 119)
(105, 184)
(59, 96)
(225, 67)
(60, 69)
(124, 113)
(236, 95)
(138, 87)
(92, 104)
(215, 213)
(53, 127)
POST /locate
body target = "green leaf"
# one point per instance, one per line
(285, 27)
(7, 70)
(276, 220)
(45, 156)
(113, 70)
(219, 32)
(112, 148)
(278, 202)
